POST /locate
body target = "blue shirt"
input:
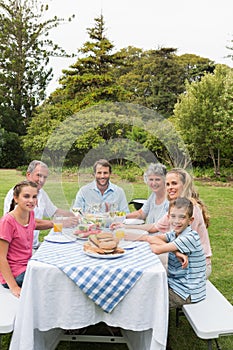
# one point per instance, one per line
(190, 281)
(90, 194)
(154, 211)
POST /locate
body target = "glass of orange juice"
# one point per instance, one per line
(120, 233)
(57, 224)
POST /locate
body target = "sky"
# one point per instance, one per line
(200, 27)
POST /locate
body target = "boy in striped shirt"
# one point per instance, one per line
(186, 259)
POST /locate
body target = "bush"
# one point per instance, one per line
(11, 151)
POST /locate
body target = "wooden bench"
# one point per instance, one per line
(8, 309)
(210, 318)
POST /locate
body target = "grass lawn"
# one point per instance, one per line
(219, 200)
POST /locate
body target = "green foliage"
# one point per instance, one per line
(24, 56)
(11, 152)
(90, 79)
(152, 78)
(203, 116)
(209, 174)
(155, 78)
(25, 49)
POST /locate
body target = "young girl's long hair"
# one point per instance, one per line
(17, 190)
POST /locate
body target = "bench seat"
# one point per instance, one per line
(212, 317)
(8, 309)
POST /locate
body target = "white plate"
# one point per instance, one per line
(104, 256)
(133, 221)
(59, 238)
(127, 244)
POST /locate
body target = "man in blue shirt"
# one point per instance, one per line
(101, 195)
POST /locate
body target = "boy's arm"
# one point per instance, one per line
(160, 239)
(160, 245)
(163, 247)
(183, 258)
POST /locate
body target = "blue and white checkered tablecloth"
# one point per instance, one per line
(105, 281)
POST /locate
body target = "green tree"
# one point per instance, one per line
(155, 78)
(25, 49)
(90, 80)
(204, 118)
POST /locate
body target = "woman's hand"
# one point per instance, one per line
(71, 221)
(116, 225)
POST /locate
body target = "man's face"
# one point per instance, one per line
(39, 176)
(102, 176)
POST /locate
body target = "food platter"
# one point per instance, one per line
(104, 256)
(85, 235)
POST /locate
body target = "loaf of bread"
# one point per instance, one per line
(103, 243)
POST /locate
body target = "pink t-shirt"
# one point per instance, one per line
(198, 225)
(20, 240)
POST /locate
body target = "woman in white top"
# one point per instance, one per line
(157, 204)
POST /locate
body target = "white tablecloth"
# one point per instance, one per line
(50, 301)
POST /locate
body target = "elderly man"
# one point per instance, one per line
(101, 191)
(38, 172)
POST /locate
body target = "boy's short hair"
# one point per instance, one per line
(182, 202)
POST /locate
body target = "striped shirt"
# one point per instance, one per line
(190, 281)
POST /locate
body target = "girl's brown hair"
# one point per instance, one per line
(17, 190)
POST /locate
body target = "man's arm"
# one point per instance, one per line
(62, 212)
(7, 201)
(43, 224)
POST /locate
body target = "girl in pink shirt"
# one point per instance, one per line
(16, 236)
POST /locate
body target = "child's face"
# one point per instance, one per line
(27, 199)
(179, 219)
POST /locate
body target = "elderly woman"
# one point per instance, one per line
(157, 204)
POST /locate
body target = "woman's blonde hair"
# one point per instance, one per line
(189, 191)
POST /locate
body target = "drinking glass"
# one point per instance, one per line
(57, 224)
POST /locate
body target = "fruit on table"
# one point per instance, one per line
(120, 213)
